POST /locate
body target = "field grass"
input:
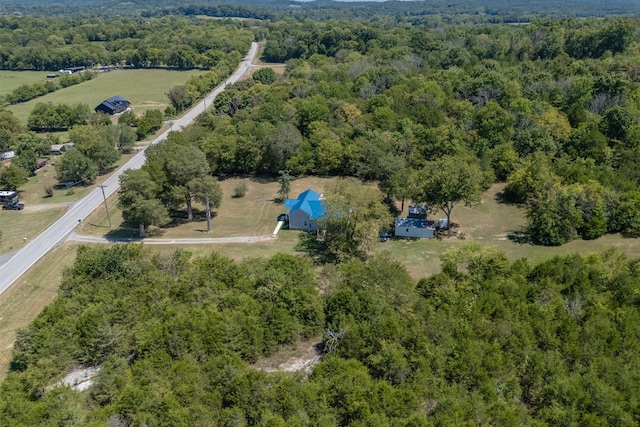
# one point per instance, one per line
(253, 215)
(26, 298)
(10, 80)
(15, 225)
(145, 89)
(490, 223)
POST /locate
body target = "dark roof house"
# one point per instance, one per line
(305, 211)
(114, 105)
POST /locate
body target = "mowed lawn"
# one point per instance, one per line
(255, 214)
(10, 80)
(490, 223)
(145, 89)
(16, 225)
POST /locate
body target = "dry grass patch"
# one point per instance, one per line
(25, 299)
(255, 214)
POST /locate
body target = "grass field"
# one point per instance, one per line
(490, 223)
(253, 215)
(15, 225)
(10, 80)
(145, 89)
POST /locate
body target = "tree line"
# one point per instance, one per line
(34, 43)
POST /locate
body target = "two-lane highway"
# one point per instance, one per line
(26, 257)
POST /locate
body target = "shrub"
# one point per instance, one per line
(240, 191)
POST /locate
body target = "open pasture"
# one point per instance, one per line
(10, 80)
(145, 89)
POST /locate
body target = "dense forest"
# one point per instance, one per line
(484, 342)
(31, 43)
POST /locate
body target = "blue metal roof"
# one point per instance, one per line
(309, 202)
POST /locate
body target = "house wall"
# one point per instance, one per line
(299, 220)
(414, 232)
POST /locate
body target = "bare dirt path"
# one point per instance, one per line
(73, 236)
(44, 206)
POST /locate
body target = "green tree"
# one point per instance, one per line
(138, 199)
(180, 97)
(75, 167)
(285, 184)
(354, 218)
(96, 143)
(206, 190)
(265, 76)
(553, 218)
(445, 182)
(172, 164)
(12, 177)
(9, 127)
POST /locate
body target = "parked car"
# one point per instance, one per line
(13, 207)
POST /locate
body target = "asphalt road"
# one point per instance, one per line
(32, 251)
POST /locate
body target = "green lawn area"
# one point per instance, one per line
(14, 225)
(145, 89)
(253, 215)
(490, 223)
(10, 80)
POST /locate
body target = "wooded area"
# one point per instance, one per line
(423, 108)
(486, 341)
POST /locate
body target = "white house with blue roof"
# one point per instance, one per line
(305, 211)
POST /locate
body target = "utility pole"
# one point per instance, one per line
(105, 203)
(208, 213)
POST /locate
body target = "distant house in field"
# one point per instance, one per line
(60, 148)
(7, 155)
(114, 105)
(305, 211)
(414, 228)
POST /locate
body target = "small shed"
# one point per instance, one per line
(305, 211)
(414, 228)
(114, 105)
